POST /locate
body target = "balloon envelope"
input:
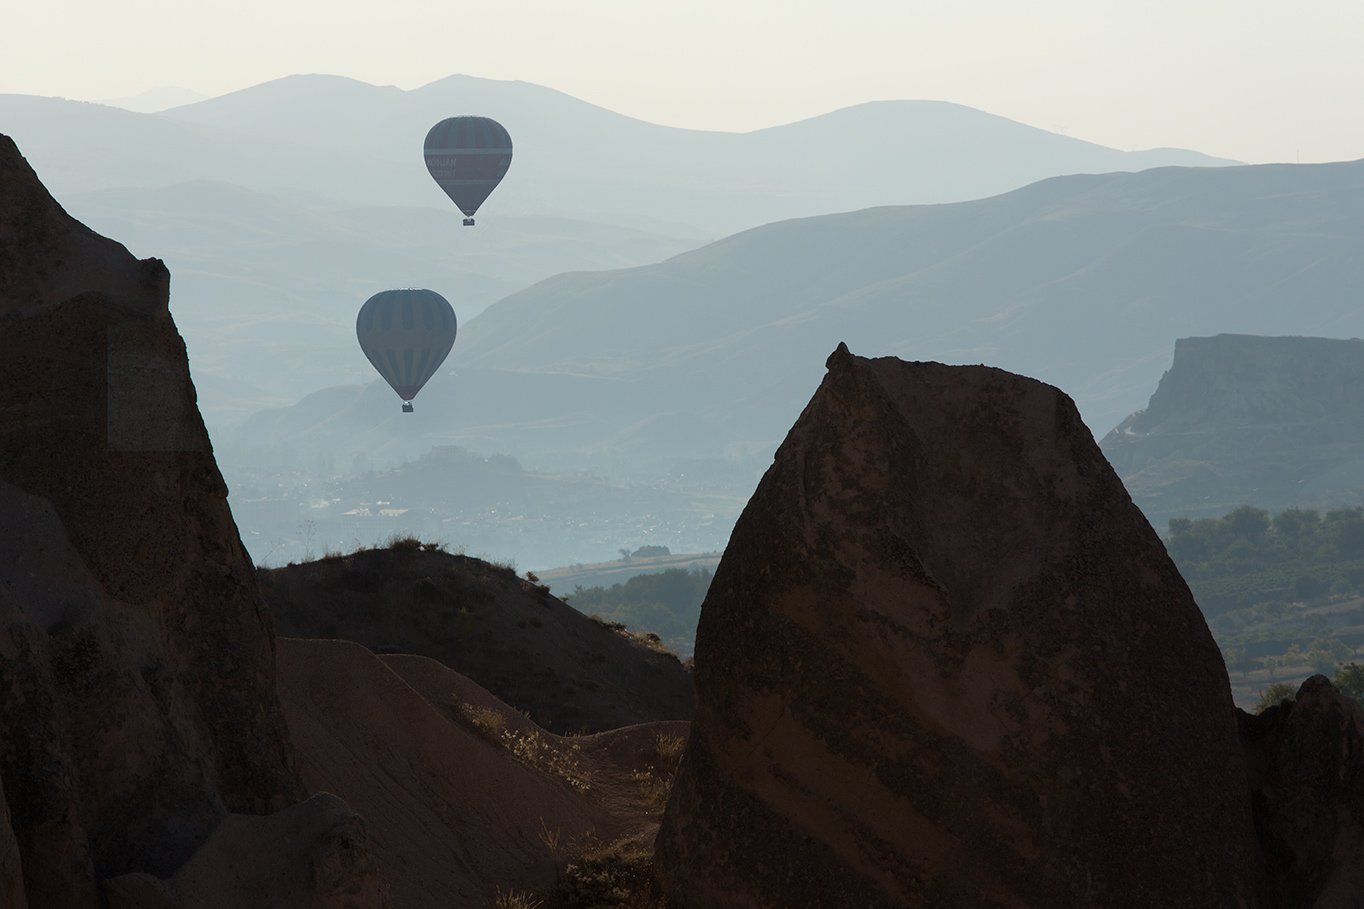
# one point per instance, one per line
(467, 157)
(406, 334)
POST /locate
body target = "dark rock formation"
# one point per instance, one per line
(945, 662)
(11, 869)
(137, 699)
(570, 673)
(1244, 420)
(1305, 760)
(312, 854)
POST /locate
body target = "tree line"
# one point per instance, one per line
(667, 603)
(1249, 557)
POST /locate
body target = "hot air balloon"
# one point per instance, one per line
(467, 157)
(406, 334)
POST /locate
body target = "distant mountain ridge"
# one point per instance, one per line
(155, 100)
(281, 207)
(1082, 281)
(346, 139)
(268, 287)
(1275, 422)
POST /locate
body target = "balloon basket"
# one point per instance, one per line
(407, 408)
(468, 222)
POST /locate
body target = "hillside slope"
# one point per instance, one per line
(267, 285)
(1082, 281)
(280, 216)
(569, 673)
(465, 798)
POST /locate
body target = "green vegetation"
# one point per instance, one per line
(1349, 680)
(667, 603)
(1274, 695)
(1247, 558)
(1283, 594)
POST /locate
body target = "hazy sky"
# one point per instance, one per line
(1249, 79)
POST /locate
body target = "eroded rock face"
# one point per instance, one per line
(11, 867)
(945, 662)
(137, 702)
(1305, 759)
(1244, 419)
(312, 855)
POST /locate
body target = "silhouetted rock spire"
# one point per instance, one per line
(945, 662)
(137, 696)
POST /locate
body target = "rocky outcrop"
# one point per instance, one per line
(315, 854)
(1305, 759)
(11, 868)
(945, 662)
(137, 682)
(571, 674)
(1245, 420)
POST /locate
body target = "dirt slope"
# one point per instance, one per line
(532, 650)
(464, 797)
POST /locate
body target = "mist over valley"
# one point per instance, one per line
(751, 488)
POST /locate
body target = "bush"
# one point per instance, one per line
(403, 543)
(1350, 680)
(1274, 695)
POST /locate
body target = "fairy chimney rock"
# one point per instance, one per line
(137, 695)
(946, 662)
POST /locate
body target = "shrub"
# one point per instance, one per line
(1274, 695)
(616, 876)
(489, 722)
(1350, 680)
(403, 543)
(668, 752)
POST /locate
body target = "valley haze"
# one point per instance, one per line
(783, 489)
(278, 215)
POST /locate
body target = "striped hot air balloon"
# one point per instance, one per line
(406, 334)
(467, 157)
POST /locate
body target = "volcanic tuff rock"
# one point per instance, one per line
(568, 672)
(312, 854)
(945, 662)
(1305, 759)
(1241, 419)
(137, 700)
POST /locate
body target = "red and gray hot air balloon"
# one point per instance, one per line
(467, 157)
(406, 334)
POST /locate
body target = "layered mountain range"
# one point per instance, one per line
(1084, 281)
(282, 207)
(343, 139)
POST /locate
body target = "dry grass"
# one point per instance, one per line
(616, 876)
(513, 899)
(646, 639)
(653, 787)
(490, 723)
(533, 751)
(668, 751)
(403, 543)
(530, 749)
(655, 781)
